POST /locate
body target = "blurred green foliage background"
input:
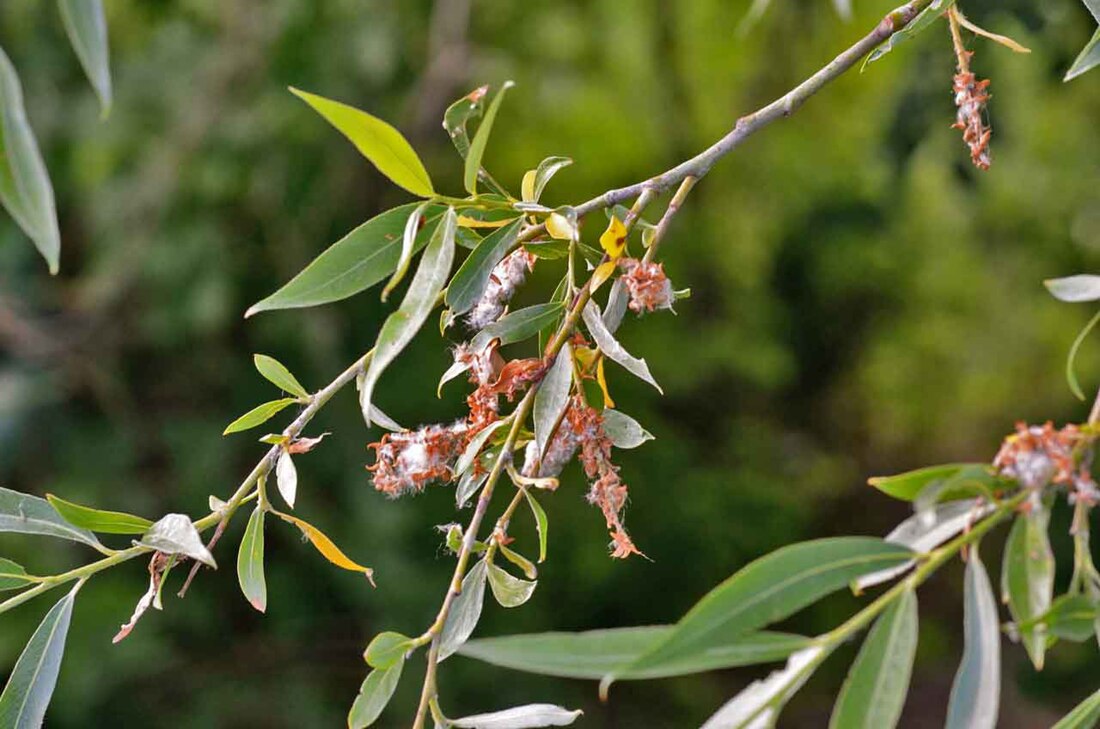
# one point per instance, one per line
(864, 302)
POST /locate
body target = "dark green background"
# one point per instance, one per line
(864, 302)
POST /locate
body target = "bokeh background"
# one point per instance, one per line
(864, 302)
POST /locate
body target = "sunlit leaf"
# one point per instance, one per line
(623, 430)
(354, 263)
(465, 611)
(542, 524)
(613, 239)
(402, 325)
(87, 29)
(472, 278)
(1087, 59)
(1027, 578)
(907, 486)
(27, 694)
(481, 139)
(25, 188)
(976, 691)
(374, 694)
(13, 576)
(378, 141)
(611, 347)
(520, 717)
(768, 590)
(1084, 716)
(408, 247)
(592, 654)
(26, 514)
(601, 274)
(274, 372)
(95, 520)
(518, 325)
(510, 591)
(758, 705)
(552, 397)
(175, 534)
(250, 562)
(258, 415)
(386, 649)
(286, 478)
(534, 181)
(1074, 289)
(874, 692)
(326, 547)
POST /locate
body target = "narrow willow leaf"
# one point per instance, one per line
(87, 29)
(552, 397)
(460, 113)
(759, 705)
(770, 589)
(1027, 578)
(976, 692)
(518, 325)
(472, 277)
(520, 717)
(926, 18)
(1084, 716)
(25, 188)
(1074, 289)
(277, 374)
(1072, 618)
(623, 430)
(874, 692)
(617, 302)
(374, 694)
(408, 247)
(542, 524)
(528, 567)
(376, 140)
(286, 477)
(473, 448)
(481, 139)
(105, 522)
(326, 546)
(592, 654)
(611, 347)
(258, 415)
(387, 649)
(510, 591)
(1071, 372)
(1088, 59)
(250, 562)
(352, 264)
(402, 325)
(27, 694)
(534, 182)
(175, 534)
(12, 575)
(26, 514)
(907, 486)
(465, 611)
(925, 531)
(468, 485)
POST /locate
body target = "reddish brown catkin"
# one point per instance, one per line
(971, 95)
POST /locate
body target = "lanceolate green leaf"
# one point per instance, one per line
(542, 524)
(104, 522)
(758, 706)
(386, 649)
(465, 612)
(26, 514)
(25, 188)
(1088, 59)
(277, 374)
(27, 694)
(87, 28)
(552, 397)
(874, 692)
(1084, 716)
(376, 692)
(250, 562)
(907, 486)
(376, 140)
(459, 114)
(1027, 579)
(976, 692)
(408, 247)
(592, 654)
(768, 590)
(481, 139)
(518, 325)
(258, 415)
(402, 325)
(13, 576)
(472, 277)
(352, 264)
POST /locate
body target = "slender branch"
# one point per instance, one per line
(670, 212)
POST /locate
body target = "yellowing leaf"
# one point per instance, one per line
(468, 222)
(602, 273)
(326, 547)
(586, 356)
(560, 227)
(602, 379)
(527, 187)
(613, 240)
(378, 141)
